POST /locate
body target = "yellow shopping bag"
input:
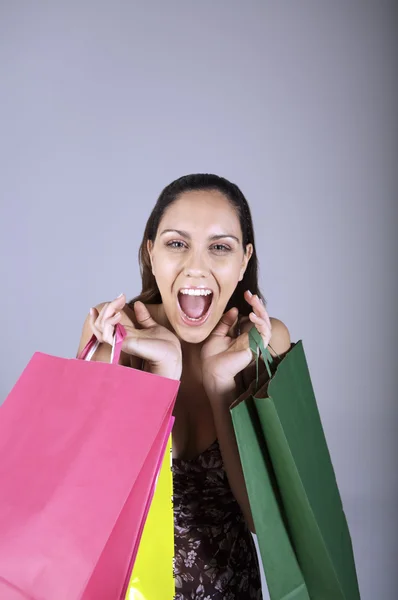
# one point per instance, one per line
(152, 577)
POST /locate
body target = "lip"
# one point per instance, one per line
(197, 322)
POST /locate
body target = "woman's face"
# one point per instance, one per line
(197, 259)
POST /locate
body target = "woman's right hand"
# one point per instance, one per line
(158, 346)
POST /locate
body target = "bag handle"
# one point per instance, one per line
(256, 344)
(92, 346)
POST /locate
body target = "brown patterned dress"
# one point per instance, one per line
(215, 558)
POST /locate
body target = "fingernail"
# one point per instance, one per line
(120, 295)
(117, 314)
(250, 294)
(91, 311)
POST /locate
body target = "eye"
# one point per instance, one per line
(221, 248)
(175, 245)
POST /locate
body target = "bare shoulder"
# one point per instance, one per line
(280, 341)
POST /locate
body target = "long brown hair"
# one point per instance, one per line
(150, 292)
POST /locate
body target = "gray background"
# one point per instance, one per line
(104, 103)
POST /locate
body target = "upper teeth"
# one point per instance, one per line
(195, 292)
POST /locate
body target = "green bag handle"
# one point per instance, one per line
(256, 344)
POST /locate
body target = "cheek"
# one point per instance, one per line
(165, 271)
(228, 275)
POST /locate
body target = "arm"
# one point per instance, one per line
(221, 398)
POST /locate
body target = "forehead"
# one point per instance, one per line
(202, 210)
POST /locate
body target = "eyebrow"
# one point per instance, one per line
(212, 237)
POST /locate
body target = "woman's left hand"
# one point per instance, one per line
(223, 356)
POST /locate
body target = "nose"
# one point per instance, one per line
(195, 266)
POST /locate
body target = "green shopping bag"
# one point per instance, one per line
(284, 577)
(281, 422)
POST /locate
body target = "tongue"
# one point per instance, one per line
(194, 306)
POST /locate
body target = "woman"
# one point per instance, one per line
(199, 298)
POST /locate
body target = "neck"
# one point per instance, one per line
(191, 353)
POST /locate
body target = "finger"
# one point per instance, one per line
(101, 315)
(109, 327)
(227, 321)
(254, 302)
(115, 319)
(143, 315)
(108, 333)
(262, 315)
(262, 327)
(260, 310)
(111, 308)
(258, 307)
(105, 332)
(93, 323)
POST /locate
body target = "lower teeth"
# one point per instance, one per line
(193, 318)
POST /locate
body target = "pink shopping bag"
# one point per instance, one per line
(81, 444)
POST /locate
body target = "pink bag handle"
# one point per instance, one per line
(91, 347)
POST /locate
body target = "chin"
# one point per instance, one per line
(193, 333)
(193, 336)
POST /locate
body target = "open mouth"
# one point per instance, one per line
(195, 304)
